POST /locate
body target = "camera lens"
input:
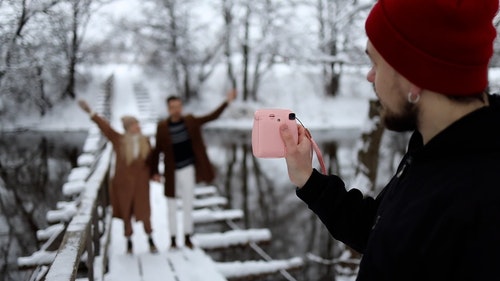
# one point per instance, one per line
(291, 116)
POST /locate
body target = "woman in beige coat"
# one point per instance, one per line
(129, 189)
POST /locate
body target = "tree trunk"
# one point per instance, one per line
(368, 154)
(228, 20)
(246, 54)
(73, 52)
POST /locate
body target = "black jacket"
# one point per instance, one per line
(439, 216)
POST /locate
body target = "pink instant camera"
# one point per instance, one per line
(266, 138)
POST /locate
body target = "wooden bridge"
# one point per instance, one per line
(84, 242)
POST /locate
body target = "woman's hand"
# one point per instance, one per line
(156, 178)
(298, 155)
(85, 106)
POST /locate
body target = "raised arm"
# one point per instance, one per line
(102, 123)
(231, 95)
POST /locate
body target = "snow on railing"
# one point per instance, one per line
(89, 183)
(78, 231)
(78, 226)
(82, 232)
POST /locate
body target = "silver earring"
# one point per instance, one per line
(413, 99)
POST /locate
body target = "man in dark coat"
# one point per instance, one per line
(180, 140)
(439, 216)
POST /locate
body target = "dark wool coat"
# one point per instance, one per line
(129, 189)
(203, 168)
(437, 219)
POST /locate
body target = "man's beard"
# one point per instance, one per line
(403, 121)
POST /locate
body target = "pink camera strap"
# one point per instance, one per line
(318, 152)
(315, 147)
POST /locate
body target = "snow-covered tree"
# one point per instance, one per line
(39, 52)
(181, 39)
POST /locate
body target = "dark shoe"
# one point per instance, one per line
(173, 244)
(187, 241)
(152, 246)
(129, 246)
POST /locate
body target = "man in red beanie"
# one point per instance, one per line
(439, 216)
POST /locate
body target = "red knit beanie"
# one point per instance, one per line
(439, 45)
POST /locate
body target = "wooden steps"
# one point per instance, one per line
(202, 191)
(213, 201)
(246, 270)
(232, 238)
(237, 270)
(206, 215)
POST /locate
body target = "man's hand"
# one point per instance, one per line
(298, 155)
(231, 95)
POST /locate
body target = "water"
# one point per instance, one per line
(33, 167)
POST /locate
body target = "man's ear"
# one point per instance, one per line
(414, 93)
(414, 89)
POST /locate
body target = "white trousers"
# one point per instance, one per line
(184, 188)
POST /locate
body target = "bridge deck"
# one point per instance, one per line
(179, 264)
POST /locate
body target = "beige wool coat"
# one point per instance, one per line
(203, 168)
(129, 188)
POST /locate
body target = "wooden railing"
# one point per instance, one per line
(85, 236)
(85, 232)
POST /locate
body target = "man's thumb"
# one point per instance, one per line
(286, 135)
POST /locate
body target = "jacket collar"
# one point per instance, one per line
(478, 131)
